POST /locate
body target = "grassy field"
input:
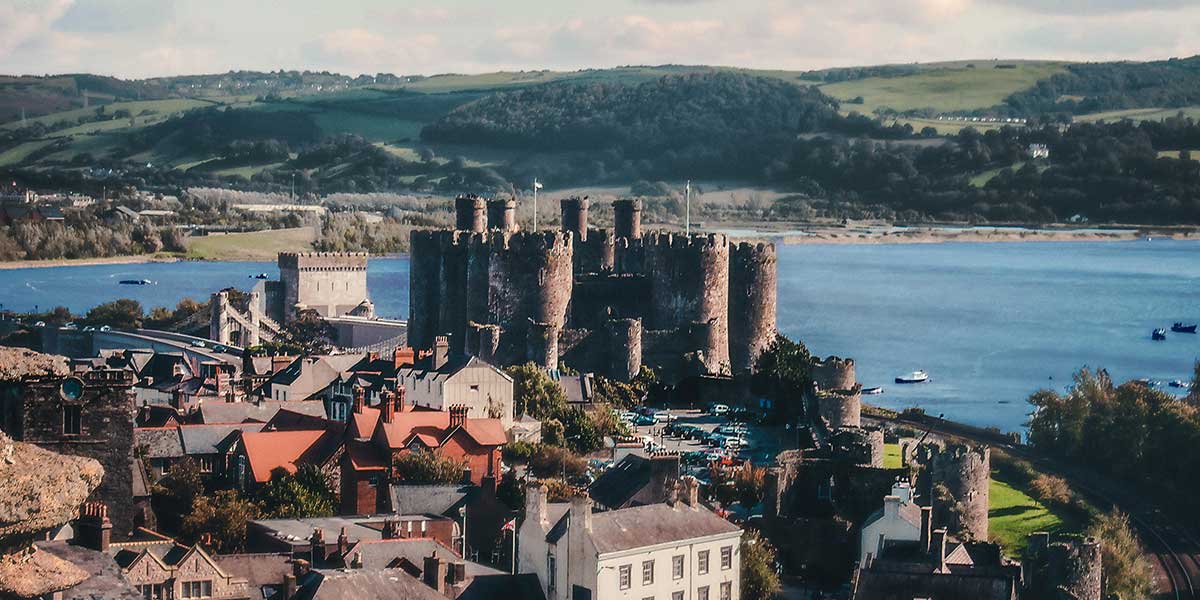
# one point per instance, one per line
(258, 245)
(1013, 515)
(945, 127)
(18, 153)
(1140, 114)
(891, 456)
(373, 128)
(161, 108)
(1175, 154)
(951, 88)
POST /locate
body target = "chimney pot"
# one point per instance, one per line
(388, 407)
(441, 351)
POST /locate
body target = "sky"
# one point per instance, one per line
(148, 38)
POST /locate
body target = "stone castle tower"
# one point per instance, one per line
(602, 300)
(963, 472)
(1070, 568)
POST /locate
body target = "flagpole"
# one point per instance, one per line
(687, 219)
(514, 549)
(536, 185)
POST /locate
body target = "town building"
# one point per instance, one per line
(900, 520)
(678, 549)
(635, 481)
(938, 567)
(440, 381)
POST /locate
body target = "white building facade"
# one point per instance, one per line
(900, 520)
(486, 390)
(677, 550)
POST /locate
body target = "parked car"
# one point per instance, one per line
(642, 420)
(696, 433)
(663, 416)
(105, 328)
(628, 416)
(198, 344)
(682, 432)
(715, 439)
(718, 409)
(646, 410)
(731, 429)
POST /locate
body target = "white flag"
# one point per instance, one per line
(537, 185)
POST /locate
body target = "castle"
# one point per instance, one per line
(600, 300)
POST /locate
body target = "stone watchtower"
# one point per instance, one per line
(955, 477)
(1070, 568)
(331, 283)
(836, 397)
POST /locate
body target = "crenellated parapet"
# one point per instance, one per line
(323, 261)
(627, 218)
(839, 408)
(689, 278)
(834, 373)
(502, 215)
(470, 213)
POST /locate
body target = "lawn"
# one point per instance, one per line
(952, 88)
(891, 456)
(1013, 515)
(160, 108)
(1140, 114)
(258, 245)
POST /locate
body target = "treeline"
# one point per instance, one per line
(1096, 87)
(212, 130)
(1133, 432)
(85, 238)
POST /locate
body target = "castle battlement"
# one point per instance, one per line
(323, 261)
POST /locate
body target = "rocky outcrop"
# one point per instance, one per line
(39, 490)
(19, 364)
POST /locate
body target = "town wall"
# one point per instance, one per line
(840, 407)
(834, 373)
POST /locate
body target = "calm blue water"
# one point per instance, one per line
(990, 322)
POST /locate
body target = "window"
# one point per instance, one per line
(626, 572)
(677, 567)
(206, 464)
(647, 572)
(677, 595)
(196, 589)
(152, 591)
(727, 591)
(726, 558)
(702, 593)
(550, 572)
(72, 419)
(702, 562)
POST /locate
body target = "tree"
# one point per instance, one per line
(553, 461)
(123, 313)
(304, 495)
(220, 521)
(759, 579)
(535, 393)
(785, 361)
(1194, 395)
(429, 467)
(180, 486)
(1127, 573)
(310, 332)
(581, 434)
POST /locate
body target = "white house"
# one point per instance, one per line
(678, 550)
(486, 390)
(900, 520)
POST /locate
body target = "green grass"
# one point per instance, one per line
(160, 107)
(891, 456)
(246, 171)
(1140, 114)
(258, 245)
(1175, 154)
(1013, 515)
(950, 88)
(18, 153)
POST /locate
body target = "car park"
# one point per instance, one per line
(643, 420)
(663, 416)
(718, 409)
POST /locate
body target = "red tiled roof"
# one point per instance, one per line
(435, 426)
(486, 432)
(362, 425)
(269, 450)
(364, 457)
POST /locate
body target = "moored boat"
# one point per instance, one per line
(914, 377)
(136, 282)
(1181, 328)
(872, 391)
(1158, 334)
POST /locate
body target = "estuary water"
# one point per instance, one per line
(991, 323)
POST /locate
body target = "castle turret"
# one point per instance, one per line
(627, 218)
(1068, 568)
(575, 216)
(470, 213)
(624, 348)
(689, 283)
(752, 295)
(542, 345)
(502, 214)
(423, 287)
(962, 472)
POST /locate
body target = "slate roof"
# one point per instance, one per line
(649, 525)
(430, 499)
(620, 483)
(260, 570)
(385, 554)
(908, 511)
(386, 584)
(106, 581)
(308, 375)
(508, 587)
(204, 439)
(241, 412)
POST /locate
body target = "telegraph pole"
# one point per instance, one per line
(536, 186)
(687, 214)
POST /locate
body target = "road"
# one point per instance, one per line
(1176, 553)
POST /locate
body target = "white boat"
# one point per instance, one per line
(914, 377)
(871, 391)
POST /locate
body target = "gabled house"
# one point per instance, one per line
(306, 377)
(254, 456)
(440, 381)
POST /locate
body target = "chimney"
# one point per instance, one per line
(290, 587)
(356, 561)
(434, 573)
(441, 351)
(458, 572)
(535, 504)
(299, 568)
(93, 529)
(318, 546)
(891, 507)
(926, 523)
(401, 403)
(458, 415)
(664, 470)
(671, 492)
(487, 484)
(343, 544)
(466, 476)
(391, 529)
(388, 408)
(690, 493)
(372, 356)
(360, 399)
(403, 357)
(938, 546)
(581, 513)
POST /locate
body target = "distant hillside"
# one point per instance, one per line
(1096, 87)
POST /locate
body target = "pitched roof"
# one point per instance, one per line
(620, 483)
(525, 586)
(259, 570)
(241, 412)
(159, 442)
(385, 584)
(270, 450)
(429, 499)
(308, 375)
(204, 439)
(435, 425)
(105, 580)
(650, 525)
(362, 425)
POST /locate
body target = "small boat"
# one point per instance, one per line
(914, 377)
(1158, 334)
(136, 282)
(261, 276)
(872, 391)
(1180, 384)
(1181, 328)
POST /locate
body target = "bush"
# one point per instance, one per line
(304, 495)
(220, 521)
(553, 461)
(1127, 573)
(1051, 490)
(429, 467)
(534, 393)
(518, 451)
